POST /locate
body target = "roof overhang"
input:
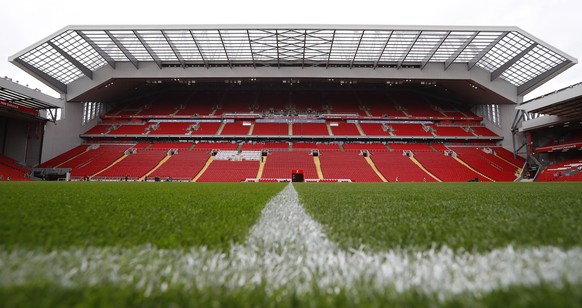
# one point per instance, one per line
(506, 54)
(20, 97)
(559, 107)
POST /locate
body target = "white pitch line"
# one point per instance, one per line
(287, 249)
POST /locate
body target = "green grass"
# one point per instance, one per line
(167, 215)
(110, 296)
(469, 216)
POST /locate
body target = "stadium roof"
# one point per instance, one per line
(507, 53)
(20, 97)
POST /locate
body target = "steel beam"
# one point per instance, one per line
(405, 54)
(174, 50)
(459, 50)
(434, 50)
(124, 50)
(148, 49)
(496, 73)
(383, 49)
(97, 49)
(46, 77)
(199, 50)
(485, 51)
(86, 71)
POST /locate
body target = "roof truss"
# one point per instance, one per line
(506, 53)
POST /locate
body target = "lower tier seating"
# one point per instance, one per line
(568, 170)
(182, 166)
(338, 161)
(230, 171)
(11, 170)
(347, 165)
(396, 167)
(487, 164)
(133, 166)
(280, 164)
(446, 168)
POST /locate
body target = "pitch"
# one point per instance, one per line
(272, 244)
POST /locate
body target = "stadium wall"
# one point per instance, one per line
(21, 140)
(63, 135)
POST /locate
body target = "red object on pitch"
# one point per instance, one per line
(297, 175)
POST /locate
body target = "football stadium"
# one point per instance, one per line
(290, 165)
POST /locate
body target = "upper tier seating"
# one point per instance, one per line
(276, 101)
(310, 129)
(373, 129)
(216, 146)
(343, 103)
(199, 103)
(271, 129)
(305, 101)
(380, 104)
(98, 129)
(171, 145)
(396, 167)
(409, 130)
(130, 129)
(182, 166)
(347, 165)
(56, 161)
(236, 101)
(171, 128)
(365, 146)
(230, 171)
(265, 146)
(134, 166)
(487, 164)
(416, 147)
(206, 128)
(298, 146)
(280, 164)
(446, 168)
(345, 129)
(451, 131)
(483, 131)
(237, 128)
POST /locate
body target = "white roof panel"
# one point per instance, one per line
(508, 53)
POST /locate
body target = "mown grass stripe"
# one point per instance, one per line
(287, 250)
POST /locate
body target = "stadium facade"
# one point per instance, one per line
(459, 86)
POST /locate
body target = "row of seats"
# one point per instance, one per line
(134, 161)
(243, 128)
(10, 170)
(564, 171)
(363, 103)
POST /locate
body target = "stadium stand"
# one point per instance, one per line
(446, 168)
(347, 165)
(133, 166)
(487, 164)
(230, 171)
(195, 121)
(182, 166)
(396, 167)
(238, 128)
(344, 129)
(94, 160)
(280, 164)
(10, 170)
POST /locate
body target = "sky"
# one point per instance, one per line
(556, 22)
